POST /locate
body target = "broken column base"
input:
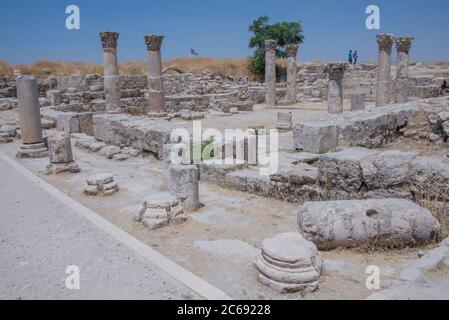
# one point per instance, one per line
(32, 151)
(58, 168)
(160, 210)
(101, 185)
(289, 263)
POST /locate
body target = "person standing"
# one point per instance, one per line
(355, 57)
(350, 56)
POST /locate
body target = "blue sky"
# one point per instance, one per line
(32, 30)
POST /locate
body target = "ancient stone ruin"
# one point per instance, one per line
(345, 156)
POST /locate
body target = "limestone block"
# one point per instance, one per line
(387, 169)
(284, 121)
(159, 210)
(101, 184)
(68, 122)
(110, 151)
(341, 170)
(60, 148)
(382, 222)
(315, 138)
(289, 263)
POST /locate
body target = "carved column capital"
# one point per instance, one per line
(154, 42)
(291, 50)
(385, 41)
(270, 45)
(403, 44)
(336, 70)
(109, 39)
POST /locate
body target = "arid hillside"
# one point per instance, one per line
(226, 67)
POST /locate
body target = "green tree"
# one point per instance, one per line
(283, 32)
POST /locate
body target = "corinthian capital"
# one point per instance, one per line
(109, 39)
(154, 42)
(270, 45)
(403, 44)
(385, 41)
(291, 50)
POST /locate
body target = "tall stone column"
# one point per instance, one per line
(385, 42)
(33, 145)
(292, 72)
(336, 72)
(156, 97)
(270, 72)
(111, 72)
(403, 45)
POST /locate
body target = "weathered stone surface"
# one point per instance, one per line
(385, 42)
(58, 168)
(68, 122)
(101, 184)
(270, 72)
(341, 171)
(110, 151)
(430, 178)
(289, 263)
(60, 148)
(369, 128)
(159, 210)
(315, 138)
(33, 151)
(184, 185)
(29, 110)
(384, 222)
(335, 87)
(101, 178)
(387, 169)
(141, 133)
(284, 121)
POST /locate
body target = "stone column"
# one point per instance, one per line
(111, 72)
(184, 185)
(270, 72)
(336, 72)
(156, 97)
(385, 42)
(30, 119)
(292, 73)
(61, 155)
(403, 45)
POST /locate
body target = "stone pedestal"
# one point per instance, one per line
(403, 45)
(357, 102)
(292, 73)
(270, 72)
(111, 71)
(30, 119)
(184, 185)
(284, 121)
(102, 184)
(385, 42)
(336, 72)
(156, 97)
(289, 263)
(159, 210)
(61, 156)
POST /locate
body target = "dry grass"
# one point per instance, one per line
(225, 67)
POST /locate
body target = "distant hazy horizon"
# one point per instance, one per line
(35, 30)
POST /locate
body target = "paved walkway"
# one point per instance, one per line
(40, 236)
